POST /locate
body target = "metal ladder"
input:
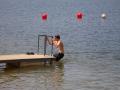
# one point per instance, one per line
(45, 43)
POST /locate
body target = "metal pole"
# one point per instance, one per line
(45, 43)
(38, 44)
(52, 47)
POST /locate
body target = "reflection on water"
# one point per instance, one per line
(32, 78)
(84, 71)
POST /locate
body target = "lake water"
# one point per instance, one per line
(92, 46)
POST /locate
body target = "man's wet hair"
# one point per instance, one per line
(57, 36)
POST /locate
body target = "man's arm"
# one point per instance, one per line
(57, 44)
(50, 41)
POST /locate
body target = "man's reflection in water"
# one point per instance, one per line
(58, 74)
(53, 79)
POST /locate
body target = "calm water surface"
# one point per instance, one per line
(92, 46)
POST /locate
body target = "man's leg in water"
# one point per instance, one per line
(58, 56)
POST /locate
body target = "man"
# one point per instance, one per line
(59, 47)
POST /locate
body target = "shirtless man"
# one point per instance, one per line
(59, 46)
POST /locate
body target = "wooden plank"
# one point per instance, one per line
(24, 58)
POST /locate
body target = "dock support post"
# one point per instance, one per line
(14, 64)
(51, 61)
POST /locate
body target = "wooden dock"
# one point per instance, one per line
(17, 59)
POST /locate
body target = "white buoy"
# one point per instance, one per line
(103, 15)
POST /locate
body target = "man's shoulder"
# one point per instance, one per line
(61, 42)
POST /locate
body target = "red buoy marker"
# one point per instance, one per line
(79, 16)
(44, 16)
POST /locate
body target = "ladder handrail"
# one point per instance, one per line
(45, 43)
